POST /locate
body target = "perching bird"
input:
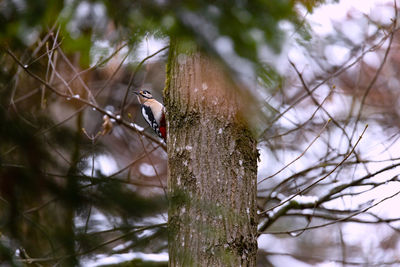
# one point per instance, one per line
(153, 112)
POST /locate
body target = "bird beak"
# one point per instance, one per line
(136, 93)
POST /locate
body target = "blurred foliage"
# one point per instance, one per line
(44, 190)
(248, 24)
(27, 185)
(22, 21)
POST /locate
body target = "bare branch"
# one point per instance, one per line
(117, 118)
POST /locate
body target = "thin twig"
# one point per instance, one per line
(86, 102)
(298, 157)
(132, 78)
(264, 225)
(344, 219)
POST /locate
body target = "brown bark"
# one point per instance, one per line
(212, 160)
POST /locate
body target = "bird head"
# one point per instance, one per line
(143, 95)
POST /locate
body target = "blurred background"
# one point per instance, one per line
(83, 178)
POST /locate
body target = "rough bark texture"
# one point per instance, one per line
(212, 160)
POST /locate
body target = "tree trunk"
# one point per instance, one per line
(212, 161)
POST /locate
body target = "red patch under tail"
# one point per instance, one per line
(163, 128)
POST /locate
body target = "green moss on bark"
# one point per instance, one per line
(212, 161)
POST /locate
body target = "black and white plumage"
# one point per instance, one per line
(153, 113)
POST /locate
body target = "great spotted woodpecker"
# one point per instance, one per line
(153, 112)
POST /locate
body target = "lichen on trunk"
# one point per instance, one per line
(212, 160)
